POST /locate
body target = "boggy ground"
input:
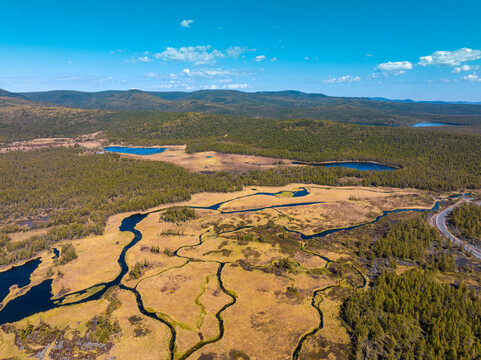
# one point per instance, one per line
(225, 285)
(211, 161)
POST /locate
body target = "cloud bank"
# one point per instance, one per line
(395, 68)
(450, 58)
(199, 55)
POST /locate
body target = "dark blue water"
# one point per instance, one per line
(363, 166)
(39, 297)
(357, 165)
(134, 151)
(17, 275)
(36, 300)
(429, 124)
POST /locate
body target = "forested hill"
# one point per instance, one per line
(282, 105)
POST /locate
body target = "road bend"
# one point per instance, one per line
(440, 221)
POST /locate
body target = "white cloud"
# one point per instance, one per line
(107, 79)
(199, 54)
(395, 67)
(260, 57)
(208, 73)
(74, 78)
(210, 87)
(236, 86)
(306, 58)
(164, 86)
(87, 79)
(274, 59)
(173, 84)
(145, 59)
(457, 70)
(186, 23)
(151, 75)
(450, 58)
(69, 62)
(472, 77)
(342, 79)
(229, 86)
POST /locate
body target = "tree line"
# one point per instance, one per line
(466, 218)
(414, 316)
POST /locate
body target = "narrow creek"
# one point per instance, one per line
(39, 297)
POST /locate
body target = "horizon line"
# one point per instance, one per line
(374, 98)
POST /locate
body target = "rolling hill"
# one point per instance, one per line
(282, 105)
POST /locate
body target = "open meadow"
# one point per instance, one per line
(248, 275)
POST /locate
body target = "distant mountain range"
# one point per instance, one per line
(426, 102)
(280, 104)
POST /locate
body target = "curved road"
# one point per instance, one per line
(440, 220)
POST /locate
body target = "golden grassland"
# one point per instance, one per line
(87, 141)
(273, 307)
(24, 235)
(211, 160)
(188, 297)
(141, 337)
(97, 258)
(332, 341)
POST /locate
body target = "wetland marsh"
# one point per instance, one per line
(200, 285)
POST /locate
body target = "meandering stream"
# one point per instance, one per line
(39, 298)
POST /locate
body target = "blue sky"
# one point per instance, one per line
(422, 50)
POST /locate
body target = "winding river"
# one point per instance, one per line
(39, 297)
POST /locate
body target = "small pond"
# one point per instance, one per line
(429, 124)
(134, 151)
(357, 165)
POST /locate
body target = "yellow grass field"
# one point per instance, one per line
(225, 285)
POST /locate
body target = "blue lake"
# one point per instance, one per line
(360, 166)
(429, 124)
(17, 275)
(134, 151)
(363, 166)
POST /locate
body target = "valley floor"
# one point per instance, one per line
(246, 279)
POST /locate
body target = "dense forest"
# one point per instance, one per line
(429, 159)
(280, 105)
(78, 192)
(416, 240)
(413, 316)
(23, 120)
(413, 240)
(72, 191)
(178, 214)
(466, 218)
(64, 113)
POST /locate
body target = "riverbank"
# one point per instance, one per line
(210, 268)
